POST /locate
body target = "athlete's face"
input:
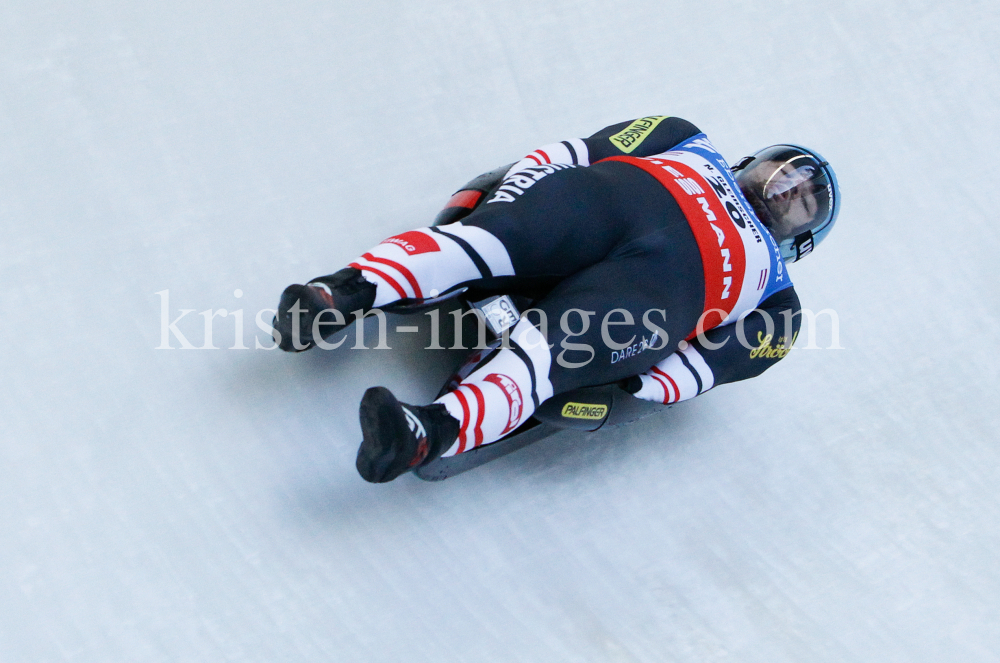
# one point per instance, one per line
(788, 196)
(794, 207)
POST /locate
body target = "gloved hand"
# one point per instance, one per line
(631, 385)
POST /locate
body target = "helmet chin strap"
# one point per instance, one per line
(803, 244)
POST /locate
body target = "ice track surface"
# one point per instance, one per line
(202, 505)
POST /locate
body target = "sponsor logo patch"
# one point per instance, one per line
(514, 400)
(413, 242)
(589, 411)
(633, 135)
(715, 219)
(636, 348)
(414, 423)
(764, 350)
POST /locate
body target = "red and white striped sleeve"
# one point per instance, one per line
(725, 353)
(681, 376)
(571, 152)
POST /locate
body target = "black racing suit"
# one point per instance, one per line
(619, 230)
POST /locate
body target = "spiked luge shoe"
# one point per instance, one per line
(345, 291)
(399, 437)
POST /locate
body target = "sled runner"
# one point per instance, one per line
(586, 409)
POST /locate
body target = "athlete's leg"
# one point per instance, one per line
(635, 253)
(503, 391)
(417, 264)
(611, 321)
(426, 262)
(565, 221)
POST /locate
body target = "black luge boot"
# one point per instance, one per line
(399, 437)
(345, 291)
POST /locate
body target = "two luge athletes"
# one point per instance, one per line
(644, 225)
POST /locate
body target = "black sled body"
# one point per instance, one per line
(586, 410)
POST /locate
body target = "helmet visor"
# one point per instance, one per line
(794, 188)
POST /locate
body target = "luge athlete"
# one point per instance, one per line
(644, 244)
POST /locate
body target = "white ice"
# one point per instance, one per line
(202, 505)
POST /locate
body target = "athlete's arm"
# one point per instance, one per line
(729, 353)
(642, 137)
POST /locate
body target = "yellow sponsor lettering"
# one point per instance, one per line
(633, 135)
(764, 350)
(593, 412)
